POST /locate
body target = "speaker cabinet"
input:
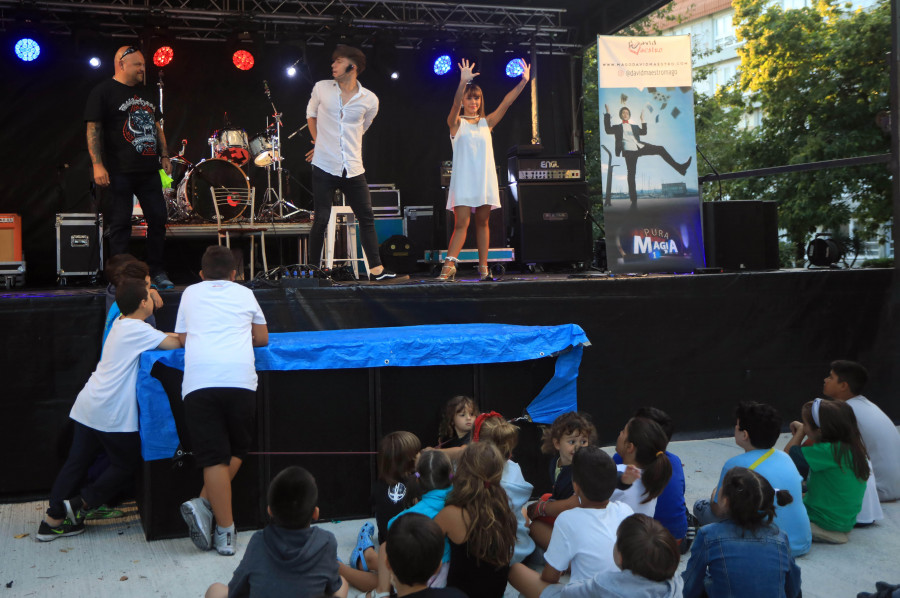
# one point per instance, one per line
(551, 225)
(741, 235)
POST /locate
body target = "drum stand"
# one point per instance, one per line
(273, 199)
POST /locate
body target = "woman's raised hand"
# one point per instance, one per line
(465, 70)
(526, 70)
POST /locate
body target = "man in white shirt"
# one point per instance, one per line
(845, 382)
(339, 112)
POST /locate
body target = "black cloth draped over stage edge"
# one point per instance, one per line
(691, 345)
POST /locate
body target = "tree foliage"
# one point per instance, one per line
(819, 76)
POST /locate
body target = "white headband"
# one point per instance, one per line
(815, 412)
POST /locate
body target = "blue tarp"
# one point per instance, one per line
(409, 346)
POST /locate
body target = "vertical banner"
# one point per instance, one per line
(651, 202)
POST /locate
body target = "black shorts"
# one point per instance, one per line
(221, 423)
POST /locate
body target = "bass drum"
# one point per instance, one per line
(196, 188)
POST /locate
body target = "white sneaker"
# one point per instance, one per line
(225, 540)
(198, 515)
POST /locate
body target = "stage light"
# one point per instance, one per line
(27, 49)
(442, 65)
(395, 75)
(94, 62)
(514, 68)
(291, 71)
(824, 251)
(243, 60)
(163, 56)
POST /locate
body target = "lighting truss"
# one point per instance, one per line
(318, 23)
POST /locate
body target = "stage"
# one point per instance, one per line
(693, 345)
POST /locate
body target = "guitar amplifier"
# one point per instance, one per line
(538, 169)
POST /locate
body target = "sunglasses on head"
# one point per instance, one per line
(130, 50)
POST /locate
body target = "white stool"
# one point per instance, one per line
(348, 220)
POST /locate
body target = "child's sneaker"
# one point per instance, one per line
(46, 533)
(198, 515)
(103, 512)
(224, 540)
(75, 510)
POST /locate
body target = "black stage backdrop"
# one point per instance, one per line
(47, 169)
(691, 345)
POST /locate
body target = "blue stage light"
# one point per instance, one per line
(94, 62)
(514, 68)
(442, 65)
(27, 49)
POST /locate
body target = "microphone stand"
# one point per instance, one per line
(718, 177)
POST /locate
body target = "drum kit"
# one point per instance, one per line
(232, 154)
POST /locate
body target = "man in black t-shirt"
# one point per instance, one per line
(126, 143)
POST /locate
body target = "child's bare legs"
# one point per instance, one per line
(362, 580)
(527, 581)
(384, 574)
(217, 590)
(217, 489)
(540, 532)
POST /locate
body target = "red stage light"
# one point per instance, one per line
(243, 60)
(163, 56)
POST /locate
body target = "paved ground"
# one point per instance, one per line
(112, 559)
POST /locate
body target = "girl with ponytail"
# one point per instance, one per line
(746, 555)
(642, 444)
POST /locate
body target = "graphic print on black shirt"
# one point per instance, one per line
(128, 116)
(140, 126)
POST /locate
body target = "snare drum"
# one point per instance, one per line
(196, 188)
(261, 150)
(232, 145)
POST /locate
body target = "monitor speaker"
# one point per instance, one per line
(741, 235)
(552, 225)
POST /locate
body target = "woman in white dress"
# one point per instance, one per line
(473, 184)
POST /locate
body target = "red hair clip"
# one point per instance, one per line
(476, 429)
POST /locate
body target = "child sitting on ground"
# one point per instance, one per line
(756, 430)
(568, 433)
(428, 491)
(413, 550)
(835, 465)
(583, 537)
(479, 524)
(646, 558)
(491, 427)
(106, 418)
(670, 507)
(457, 421)
(396, 465)
(746, 555)
(642, 444)
(288, 557)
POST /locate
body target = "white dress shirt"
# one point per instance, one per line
(340, 127)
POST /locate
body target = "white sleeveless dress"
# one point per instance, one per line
(474, 179)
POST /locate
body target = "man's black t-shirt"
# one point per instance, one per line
(128, 116)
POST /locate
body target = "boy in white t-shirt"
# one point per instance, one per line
(106, 417)
(219, 322)
(845, 382)
(583, 537)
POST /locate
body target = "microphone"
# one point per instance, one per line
(266, 87)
